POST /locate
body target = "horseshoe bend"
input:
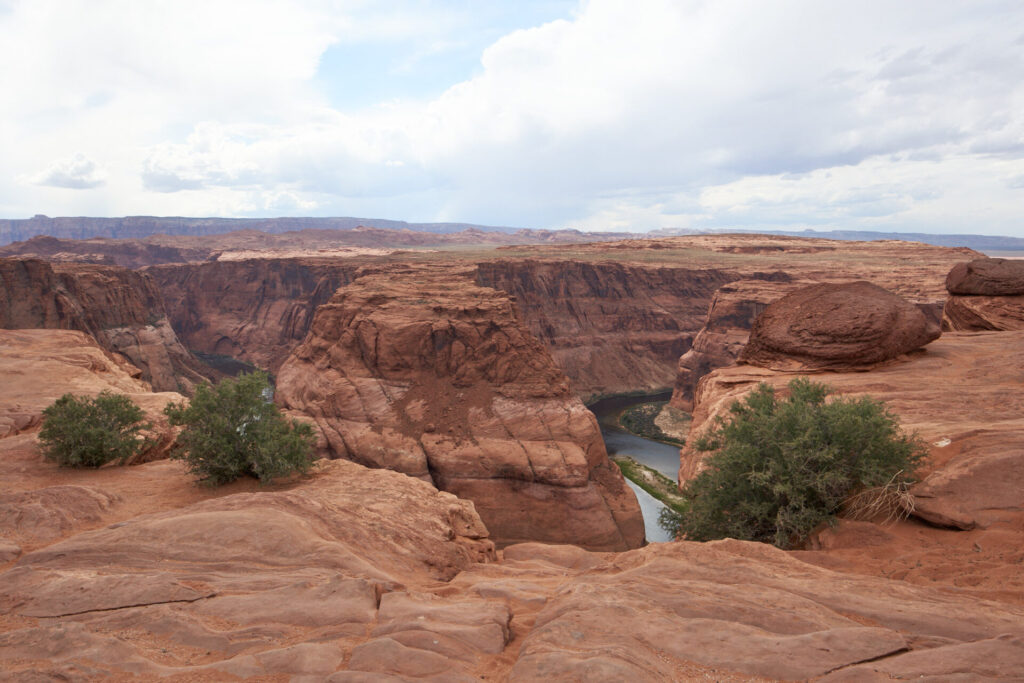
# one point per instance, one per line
(463, 520)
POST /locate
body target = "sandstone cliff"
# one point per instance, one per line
(417, 369)
(120, 308)
(256, 310)
(610, 327)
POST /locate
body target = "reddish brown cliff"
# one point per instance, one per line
(257, 310)
(610, 327)
(731, 314)
(122, 309)
(417, 369)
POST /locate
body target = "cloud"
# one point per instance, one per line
(689, 113)
(75, 173)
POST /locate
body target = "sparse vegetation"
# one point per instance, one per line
(651, 480)
(82, 431)
(779, 468)
(234, 430)
(641, 420)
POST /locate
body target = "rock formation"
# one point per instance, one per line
(120, 308)
(836, 326)
(256, 310)
(416, 369)
(985, 294)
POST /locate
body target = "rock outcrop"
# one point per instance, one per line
(985, 294)
(255, 310)
(836, 326)
(120, 308)
(417, 369)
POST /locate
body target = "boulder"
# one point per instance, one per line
(987, 277)
(835, 327)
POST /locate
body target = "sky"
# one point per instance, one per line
(591, 114)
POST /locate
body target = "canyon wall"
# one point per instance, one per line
(257, 310)
(419, 370)
(611, 327)
(122, 309)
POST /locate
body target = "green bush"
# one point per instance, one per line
(233, 430)
(782, 467)
(90, 432)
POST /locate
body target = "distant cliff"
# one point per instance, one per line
(16, 230)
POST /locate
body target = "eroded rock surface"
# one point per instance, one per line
(417, 369)
(120, 308)
(836, 326)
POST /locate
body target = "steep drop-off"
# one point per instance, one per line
(610, 327)
(122, 309)
(417, 369)
(257, 310)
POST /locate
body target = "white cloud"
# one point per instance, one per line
(619, 115)
(76, 173)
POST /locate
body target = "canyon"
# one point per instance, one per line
(466, 523)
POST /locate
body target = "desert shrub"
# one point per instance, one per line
(233, 430)
(80, 431)
(779, 468)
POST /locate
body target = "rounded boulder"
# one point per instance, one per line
(835, 327)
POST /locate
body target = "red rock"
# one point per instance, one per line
(120, 308)
(979, 313)
(836, 326)
(256, 310)
(987, 277)
(417, 369)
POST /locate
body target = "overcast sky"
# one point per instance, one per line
(600, 115)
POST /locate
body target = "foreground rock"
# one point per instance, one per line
(835, 327)
(120, 308)
(416, 369)
(253, 585)
(675, 611)
(985, 294)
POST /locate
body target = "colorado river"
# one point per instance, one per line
(660, 456)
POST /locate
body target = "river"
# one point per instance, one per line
(660, 456)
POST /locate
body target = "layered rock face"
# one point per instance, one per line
(731, 314)
(836, 326)
(120, 308)
(985, 294)
(417, 369)
(256, 310)
(610, 327)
